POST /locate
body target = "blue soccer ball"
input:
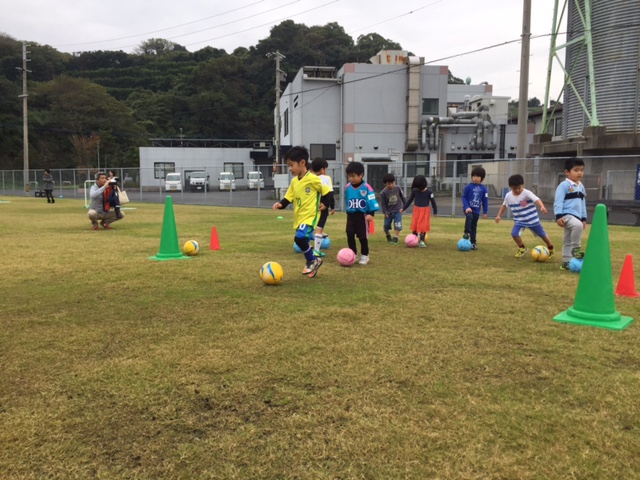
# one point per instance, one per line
(464, 245)
(575, 265)
(296, 248)
(326, 243)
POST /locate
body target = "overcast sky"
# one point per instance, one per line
(441, 31)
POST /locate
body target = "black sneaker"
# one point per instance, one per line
(564, 266)
(474, 247)
(465, 236)
(388, 238)
(395, 241)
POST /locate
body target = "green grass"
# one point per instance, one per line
(426, 363)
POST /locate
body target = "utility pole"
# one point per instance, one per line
(523, 112)
(279, 76)
(25, 116)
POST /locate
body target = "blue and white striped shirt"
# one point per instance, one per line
(523, 208)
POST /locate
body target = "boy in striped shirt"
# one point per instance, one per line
(522, 203)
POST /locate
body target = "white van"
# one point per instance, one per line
(256, 180)
(173, 182)
(227, 181)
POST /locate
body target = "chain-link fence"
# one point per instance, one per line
(614, 180)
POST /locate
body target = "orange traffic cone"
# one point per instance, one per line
(214, 244)
(372, 227)
(627, 284)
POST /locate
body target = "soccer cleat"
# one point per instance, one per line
(364, 259)
(521, 252)
(564, 266)
(388, 238)
(395, 241)
(105, 225)
(577, 253)
(551, 253)
(96, 226)
(316, 265)
(422, 244)
(318, 253)
(465, 236)
(474, 247)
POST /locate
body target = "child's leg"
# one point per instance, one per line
(364, 246)
(351, 241)
(387, 227)
(317, 239)
(473, 230)
(397, 224)
(468, 221)
(572, 237)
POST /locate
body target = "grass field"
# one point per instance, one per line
(425, 364)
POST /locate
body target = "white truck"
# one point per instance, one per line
(227, 181)
(199, 181)
(255, 180)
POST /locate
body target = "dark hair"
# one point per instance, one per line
(478, 172)
(516, 180)
(569, 163)
(356, 168)
(318, 164)
(47, 170)
(419, 182)
(388, 178)
(97, 175)
(297, 154)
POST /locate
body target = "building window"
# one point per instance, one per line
(430, 106)
(322, 150)
(236, 168)
(286, 122)
(557, 127)
(160, 169)
(416, 164)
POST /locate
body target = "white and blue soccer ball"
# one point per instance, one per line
(326, 243)
(575, 265)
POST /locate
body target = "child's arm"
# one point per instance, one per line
(541, 206)
(558, 202)
(432, 199)
(284, 203)
(485, 202)
(407, 204)
(500, 213)
(466, 208)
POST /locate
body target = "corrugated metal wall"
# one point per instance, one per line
(616, 54)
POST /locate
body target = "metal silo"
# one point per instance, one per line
(615, 34)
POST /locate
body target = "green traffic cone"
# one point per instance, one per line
(169, 248)
(594, 304)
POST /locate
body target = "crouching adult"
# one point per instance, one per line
(100, 210)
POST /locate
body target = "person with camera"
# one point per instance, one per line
(104, 208)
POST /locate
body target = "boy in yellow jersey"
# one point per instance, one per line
(308, 195)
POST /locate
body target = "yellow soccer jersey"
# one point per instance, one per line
(305, 195)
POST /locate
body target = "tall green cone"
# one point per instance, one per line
(594, 303)
(169, 248)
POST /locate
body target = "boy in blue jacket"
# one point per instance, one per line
(361, 204)
(570, 209)
(474, 197)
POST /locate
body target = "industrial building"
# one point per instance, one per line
(396, 114)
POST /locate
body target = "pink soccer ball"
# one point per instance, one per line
(346, 257)
(411, 240)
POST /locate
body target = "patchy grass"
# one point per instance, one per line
(426, 363)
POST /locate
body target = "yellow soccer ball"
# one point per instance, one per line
(540, 253)
(271, 273)
(191, 248)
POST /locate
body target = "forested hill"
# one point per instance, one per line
(120, 100)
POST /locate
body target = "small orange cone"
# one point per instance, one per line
(372, 227)
(215, 243)
(627, 284)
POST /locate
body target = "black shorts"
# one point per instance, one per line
(357, 224)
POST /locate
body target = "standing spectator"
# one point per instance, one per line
(47, 180)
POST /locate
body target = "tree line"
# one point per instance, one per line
(109, 103)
